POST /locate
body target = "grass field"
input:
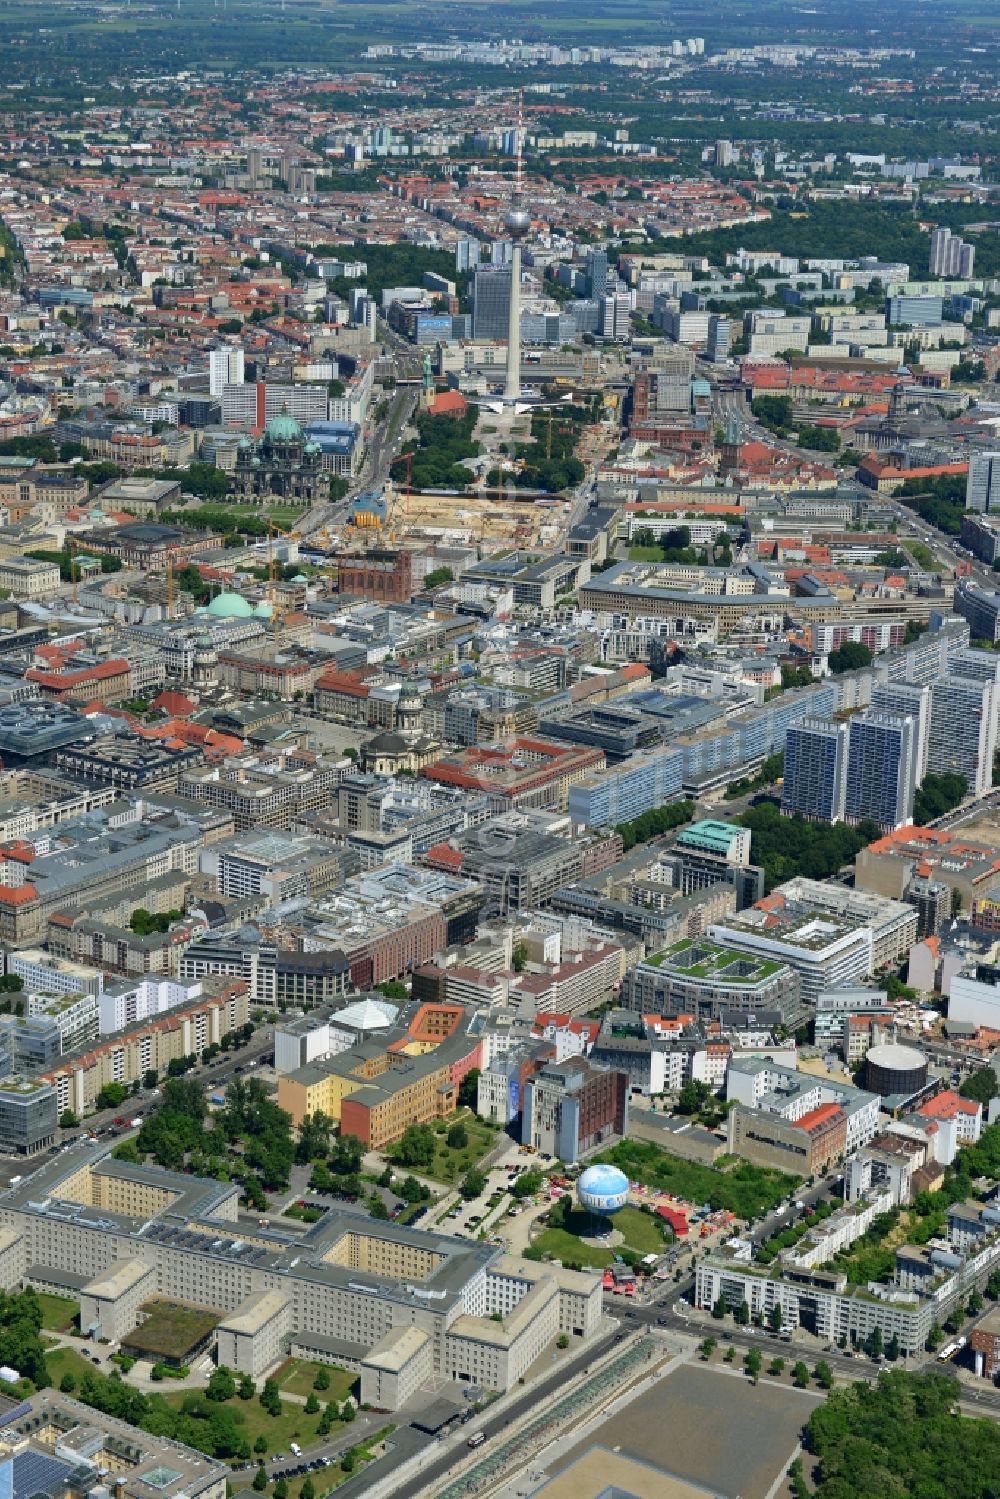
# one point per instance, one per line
(297, 1377)
(645, 554)
(290, 1425)
(67, 1361)
(641, 1233)
(59, 1313)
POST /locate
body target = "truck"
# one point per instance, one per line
(297, 1450)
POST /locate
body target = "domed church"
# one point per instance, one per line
(281, 463)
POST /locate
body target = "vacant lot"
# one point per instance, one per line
(711, 1428)
(748, 1191)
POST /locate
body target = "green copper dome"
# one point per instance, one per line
(283, 428)
(230, 606)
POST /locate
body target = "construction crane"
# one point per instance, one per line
(73, 569)
(170, 587)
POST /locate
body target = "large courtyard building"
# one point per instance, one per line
(349, 1289)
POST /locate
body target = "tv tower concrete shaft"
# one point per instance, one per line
(518, 224)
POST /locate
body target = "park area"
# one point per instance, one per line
(444, 1150)
(744, 1190)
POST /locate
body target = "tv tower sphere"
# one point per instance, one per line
(518, 220)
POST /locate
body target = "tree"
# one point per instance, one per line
(393, 989)
(221, 1385)
(347, 1462)
(458, 1136)
(68, 1120)
(473, 1184)
(377, 1208)
(150, 1078)
(707, 1347)
(892, 1351)
(468, 1089)
(876, 1342)
(527, 1184)
(934, 1337)
(347, 1412)
(260, 1479)
(322, 1380)
(260, 1445)
(776, 1366)
(823, 1375)
(752, 1361)
(438, 576)
(519, 957)
(281, 1489)
(308, 1489)
(743, 1313)
(774, 1318)
(111, 1095)
(719, 1309)
(270, 1398)
(562, 1341)
(980, 1085)
(936, 795)
(416, 1146)
(800, 1375)
(850, 656)
(312, 1404)
(68, 1383)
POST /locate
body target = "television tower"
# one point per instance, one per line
(518, 223)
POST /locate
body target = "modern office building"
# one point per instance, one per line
(719, 338)
(490, 304)
(881, 770)
(815, 774)
(982, 489)
(570, 1107)
(916, 311)
(28, 1115)
(706, 980)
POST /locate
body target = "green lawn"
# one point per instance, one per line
(292, 1425)
(645, 554)
(640, 1231)
(59, 1313)
(297, 1375)
(562, 1245)
(67, 1361)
